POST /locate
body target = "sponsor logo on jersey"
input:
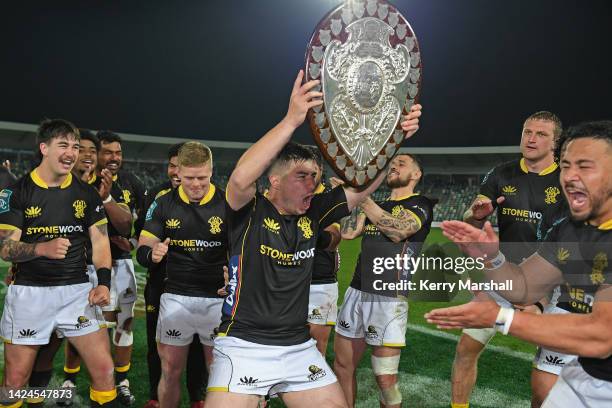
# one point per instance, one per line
(371, 229)
(215, 224)
(82, 322)
(509, 190)
(26, 333)
(562, 256)
(397, 210)
(271, 225)
(33, 212)
(54, 229)
(522, 214)
(195, 244)
(248, 381)
(554, 360)
(175, 334)
(600, 262)
(551, 195)
(5, 199)
(173, 223)
(580, 301)
(127, 196)
(304, 224)
(151, 309)
(316, 373)
(149, 215)
(371, 333)
(79, 208)
(290, 259)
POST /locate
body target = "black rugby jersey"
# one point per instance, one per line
(375, 244)
(584, 254)
(271, 261)
(43, 213)
(198, 240)
(530, 198)
(127, 191)
(326, 263)
(156, 273)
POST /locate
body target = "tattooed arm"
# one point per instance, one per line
(100, 245)
(396, 228)
(352, 226)
(11, 250)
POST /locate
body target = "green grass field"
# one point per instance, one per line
(425, 366)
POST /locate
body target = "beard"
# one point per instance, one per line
(397, 182)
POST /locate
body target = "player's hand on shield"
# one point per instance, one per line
(7, 164)
(99, 296)
(223, 291)
(410, 122)
(475, 314)
(106, 182)
(483, 207)
(56, 248)
(474, 242)
(303, 97)
(335, 182)
(160, 250)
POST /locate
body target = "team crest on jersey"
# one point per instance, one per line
(562, 255)
(173, 223)
(551, 195)
(304, 224)
(397, 210)
(271, 225)
(79, 208)
(33, 212)
(600, 262)
(127, 196)
(215, 224)
(5, 199)
(509, 190)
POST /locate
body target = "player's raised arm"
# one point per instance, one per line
(352, 226)
(255, 161)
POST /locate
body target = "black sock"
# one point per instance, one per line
(121, 373)
(71, 373)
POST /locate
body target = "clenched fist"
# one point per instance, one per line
(55, 249)
(160, 250)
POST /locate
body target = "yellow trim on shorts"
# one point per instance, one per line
(103, 221)
(72, 370)
(217, 389)
(102, 397)
(394, 344)
(8, 227)
(330, 323)
(123, 369)
(148, 234)
(5, 340)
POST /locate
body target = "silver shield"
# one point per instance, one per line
(365, 87)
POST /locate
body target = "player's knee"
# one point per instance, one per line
(468, 350)
(15, 377)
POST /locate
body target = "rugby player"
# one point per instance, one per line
(46, 218)
(575, 254)
(84, 169)
(323, 297)
(188, 224)
(6, 175)
(264, 346)
(527, 196)
(125, 200)
(197, 375)
(369, 316)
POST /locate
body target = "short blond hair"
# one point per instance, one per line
(194, 154)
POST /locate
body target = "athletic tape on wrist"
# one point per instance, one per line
(496, 262)
(504, 320)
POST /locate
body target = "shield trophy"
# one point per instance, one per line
(368, 60)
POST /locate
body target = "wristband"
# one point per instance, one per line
(504, 320)
(144, 255)
(104, 277)
(496, 262)
(108, 199)
(133, 242)
(540, 306)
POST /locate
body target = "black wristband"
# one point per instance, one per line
(143, 255)
(104, 277)
(324, 239)
(540, 306)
